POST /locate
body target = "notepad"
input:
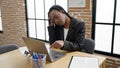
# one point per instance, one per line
(83, 62)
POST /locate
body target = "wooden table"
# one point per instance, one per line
(14, 59)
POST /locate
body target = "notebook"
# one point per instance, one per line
(83, 62)
(38, 46)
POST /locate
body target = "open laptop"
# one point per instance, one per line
(38, 46)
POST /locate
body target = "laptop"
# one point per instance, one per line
(38, 46)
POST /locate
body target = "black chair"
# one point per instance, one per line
(7, 48)
(89, 46)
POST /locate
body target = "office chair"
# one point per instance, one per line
(7, 48)
(89, 46)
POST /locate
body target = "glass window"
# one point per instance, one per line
(63, 4)
(39, 9)
(30, 9)
(47, 37)
(40, 27)
(31, 28)
(118, 12)
(103, 15)
(48, 4)
(117, 40)
(0, 21)
(103, 36)
(107, 26)
(37, 16)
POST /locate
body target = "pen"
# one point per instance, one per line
(35, 55)
(41, 56)
(35, 58)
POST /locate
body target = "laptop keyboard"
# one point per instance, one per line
(56, 54)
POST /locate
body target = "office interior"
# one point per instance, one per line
(101, 19)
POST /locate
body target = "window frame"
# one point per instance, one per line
(113, 32)
(1, 30)
(45, 20)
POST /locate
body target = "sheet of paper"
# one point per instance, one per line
(84, 62)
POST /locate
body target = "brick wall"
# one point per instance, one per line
(112, 63)
(14, 22)
(84, 14)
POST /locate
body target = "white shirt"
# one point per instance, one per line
(65, 33)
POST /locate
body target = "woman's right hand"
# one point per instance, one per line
(57, 44)
(51, 24)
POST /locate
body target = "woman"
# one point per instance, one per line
(65, 32)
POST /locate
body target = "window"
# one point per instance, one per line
(107, 26)
(0, 21)
(37, 17)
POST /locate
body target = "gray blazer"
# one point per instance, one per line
(75, 37)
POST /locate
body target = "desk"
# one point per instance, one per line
(14, 59)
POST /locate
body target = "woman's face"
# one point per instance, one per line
(57, 17)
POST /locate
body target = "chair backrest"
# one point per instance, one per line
(7, 48)
(89, 45)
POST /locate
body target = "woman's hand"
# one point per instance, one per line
(51, 24)
(57, 44)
